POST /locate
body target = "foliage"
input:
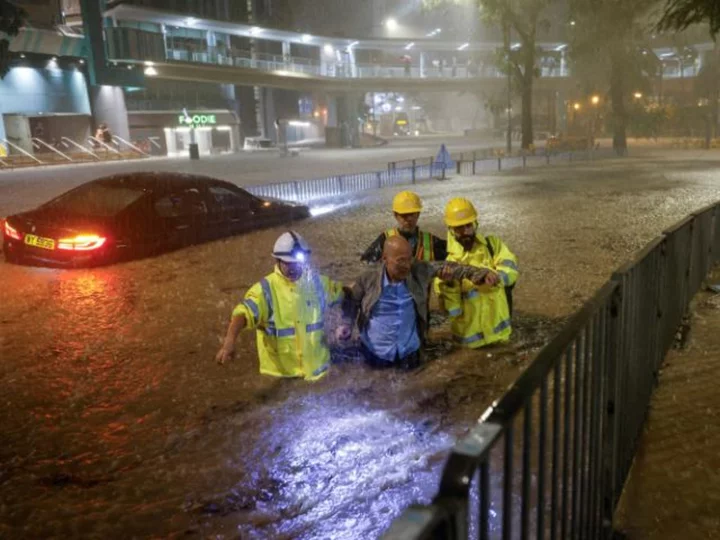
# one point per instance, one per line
(523, 18)
(12, 17)
(610, 55)
(680, 14)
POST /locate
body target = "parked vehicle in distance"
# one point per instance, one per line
(136, 215)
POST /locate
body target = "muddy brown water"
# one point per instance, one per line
(116, 422)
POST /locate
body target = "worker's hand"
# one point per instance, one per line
(480, 278)
(343, 332)
(225, 353)
(492, 279)
(446, 273)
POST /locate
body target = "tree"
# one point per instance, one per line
(680, 14)
(12, 17)
(524, 19)
(608, 52)
(677, 16)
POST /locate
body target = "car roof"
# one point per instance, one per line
(159, 181)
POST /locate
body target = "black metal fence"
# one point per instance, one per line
(414, 171)
(549, 459)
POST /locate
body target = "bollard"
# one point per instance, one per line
(499, 164)
(296, 189)
(443, 171)
(524, 161)
(379, 180)
(413, 171)
(458, 166)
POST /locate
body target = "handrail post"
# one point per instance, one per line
(413, 172)
(610, 418)
(80, 146)
(103, 144)
(46, 145)
(130, 145)
(25, 152)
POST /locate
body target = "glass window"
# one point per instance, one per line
(181, 204)
(229, 199)
(96, 200)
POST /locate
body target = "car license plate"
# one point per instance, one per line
(39, 241)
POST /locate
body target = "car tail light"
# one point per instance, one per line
(12, 232)
(82, 242)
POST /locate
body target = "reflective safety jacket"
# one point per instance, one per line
(289, 319)
(479, 315)
(424, 250)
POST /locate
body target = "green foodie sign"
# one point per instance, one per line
(197, 120)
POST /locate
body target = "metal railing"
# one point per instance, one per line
(414, 171)
(551, 456)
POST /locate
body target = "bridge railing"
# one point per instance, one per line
(551, 456)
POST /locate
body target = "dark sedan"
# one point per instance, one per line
(135, 215)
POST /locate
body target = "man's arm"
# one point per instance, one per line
(250, 313)
(228, 347)
(451, 271)
(374, 251)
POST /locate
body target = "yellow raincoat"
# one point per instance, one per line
(479, 315)
(288, 317)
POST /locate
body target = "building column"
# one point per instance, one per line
(108, 106)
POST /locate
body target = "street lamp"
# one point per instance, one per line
(576, 106)
(638, 95)
(391, 24)
(595, 100)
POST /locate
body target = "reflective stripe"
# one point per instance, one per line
(321, 369)
(472, 339)
(509, 264)
(314, 327)
(280, 332)
(505, 278)
(252, 306)
(320, 292)
(267, 293)
(427, 251)
(502, 326)
(455, 312)
(474, 293)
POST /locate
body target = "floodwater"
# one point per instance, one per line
(117, 422)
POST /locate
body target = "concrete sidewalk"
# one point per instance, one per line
(673, 490)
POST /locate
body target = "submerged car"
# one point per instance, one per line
(135, 215)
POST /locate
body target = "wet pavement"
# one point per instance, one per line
(117, 422)
(673, 490)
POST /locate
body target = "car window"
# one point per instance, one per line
(185, 203)
(96, 200)
(228, 199)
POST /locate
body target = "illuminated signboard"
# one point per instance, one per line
(197, 120)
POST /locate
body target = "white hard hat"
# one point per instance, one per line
(291, 247)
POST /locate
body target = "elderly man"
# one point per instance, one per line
(392, 301)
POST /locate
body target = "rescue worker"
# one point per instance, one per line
(425, 246)
(391, 304)
(479, 315)
(286, 309)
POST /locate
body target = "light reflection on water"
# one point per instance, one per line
(339, 471)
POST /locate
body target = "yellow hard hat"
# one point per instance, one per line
(459, 212)
(406, 202)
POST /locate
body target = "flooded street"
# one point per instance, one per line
(117, 422)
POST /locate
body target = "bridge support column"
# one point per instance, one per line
(108, 106)
(343, 113)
